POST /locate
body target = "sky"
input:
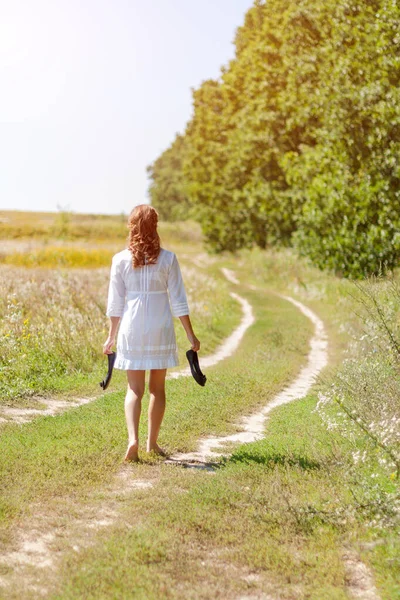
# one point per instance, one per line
(92, 91)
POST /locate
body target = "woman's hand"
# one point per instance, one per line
(108, 345)
(194, 342)
(112, 332)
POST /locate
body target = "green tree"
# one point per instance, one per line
(167, 187)
(297, 142)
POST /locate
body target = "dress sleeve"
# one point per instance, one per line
(116, 292)
(176, 288)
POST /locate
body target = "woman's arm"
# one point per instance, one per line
(185, 320)
(115, 304)
(110, 341)
(179, 305)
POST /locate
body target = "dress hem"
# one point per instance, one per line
(127, 364)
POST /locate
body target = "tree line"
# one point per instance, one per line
(298, 141)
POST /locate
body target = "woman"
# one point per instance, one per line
(146, 289)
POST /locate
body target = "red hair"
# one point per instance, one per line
(143, 239)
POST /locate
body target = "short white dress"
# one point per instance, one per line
(147, 298)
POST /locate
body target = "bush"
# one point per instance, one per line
(362, 403)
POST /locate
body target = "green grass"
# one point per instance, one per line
(197, 535)
(262, 513)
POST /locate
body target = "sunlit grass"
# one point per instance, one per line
(55, 256)
(73, 227)
(60, 225)
(52, 240)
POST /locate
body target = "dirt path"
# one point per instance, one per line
(252, 427)
(53, 407)
(359, 579)
(40, 542)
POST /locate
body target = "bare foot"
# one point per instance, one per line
(132, 452)
(156, 448)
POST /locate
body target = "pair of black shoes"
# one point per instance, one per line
(191, 355)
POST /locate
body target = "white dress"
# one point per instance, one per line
(146, 298)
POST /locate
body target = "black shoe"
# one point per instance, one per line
(195, 367)
(111, 360)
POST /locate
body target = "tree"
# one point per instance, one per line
(297, 142)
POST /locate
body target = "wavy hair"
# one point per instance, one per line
(143, 239)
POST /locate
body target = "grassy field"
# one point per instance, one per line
(275, 518)
(269, 521)
(61, 225)
(24, 230)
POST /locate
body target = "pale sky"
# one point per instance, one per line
(92, 91)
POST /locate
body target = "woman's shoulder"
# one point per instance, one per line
(168, 256)
(122, 256)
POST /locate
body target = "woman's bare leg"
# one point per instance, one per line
(156, 407)
(133, 407)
